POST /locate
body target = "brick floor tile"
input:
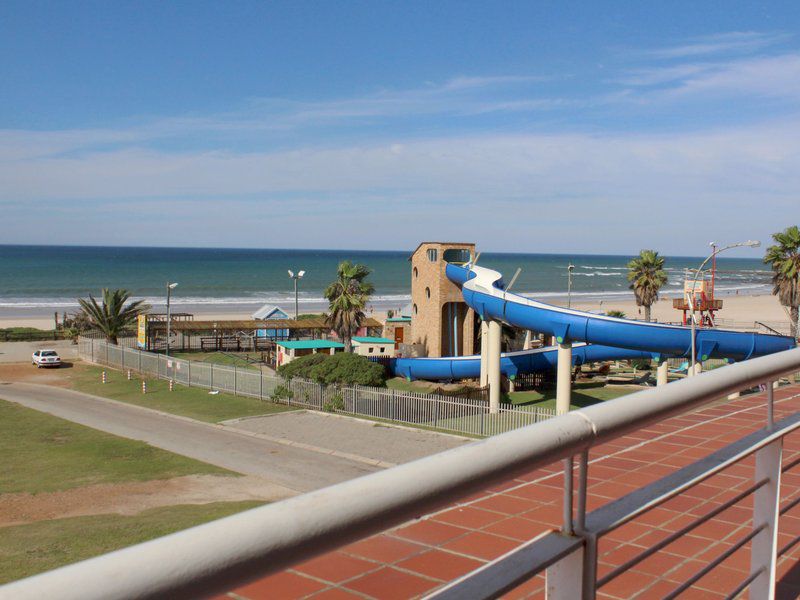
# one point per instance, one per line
(469, 517)
(335, 594)
(503, 503)
(440, 565)
(391, 584)
(482, 545)
(335, 567)
(429, 531)
(383, 548)
(285, 586)
(629, 584)
(518, 528)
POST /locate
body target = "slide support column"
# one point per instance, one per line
(663, 373)
(495, 333)
(484, 353)
(564, 377)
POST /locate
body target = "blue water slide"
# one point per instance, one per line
(483, 290)
(511, 363)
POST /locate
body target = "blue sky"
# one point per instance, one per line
(530, 126)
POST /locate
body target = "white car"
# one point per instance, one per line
(46, 358)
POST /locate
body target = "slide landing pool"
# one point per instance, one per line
(594, 337)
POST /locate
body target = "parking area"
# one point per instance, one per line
(346, 435)
(13, 352)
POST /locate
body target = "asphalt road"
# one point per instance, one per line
(296, 468)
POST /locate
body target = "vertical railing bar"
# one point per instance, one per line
(770, 406)
(568, 467)
(583, 480)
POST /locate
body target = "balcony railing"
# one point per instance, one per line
(221, 555)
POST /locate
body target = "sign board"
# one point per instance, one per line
(141, 331)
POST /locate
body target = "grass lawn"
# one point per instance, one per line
(29, 549)
(583, 394)
(232, 359)
(44, 454)
(192, 402)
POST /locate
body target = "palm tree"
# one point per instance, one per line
(113, 316)
(347, 297)
(617, 314)
(784, 258)
(646, 274)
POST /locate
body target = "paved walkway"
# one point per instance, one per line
(386, 444)
(296, 468)
(419, 556)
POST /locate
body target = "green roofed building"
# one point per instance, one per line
(291, 349)
(374, 346)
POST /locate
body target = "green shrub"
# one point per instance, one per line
(335, 403)
(342, 368)
(642, 364)
(301, 367)
(282, 392)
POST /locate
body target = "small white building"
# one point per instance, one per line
(374, 346)
(289, 350)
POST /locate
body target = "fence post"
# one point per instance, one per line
(766, 507)
(140, 361)
(436, 413)
(122, 351)
(234, 380)
(483, 411)
(260, 383)
(212, 376)
(106, 353)
(188, 373)
(92, 342)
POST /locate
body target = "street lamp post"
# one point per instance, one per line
(170, 287)
(713, 255)
(570, 269)
(296, 278)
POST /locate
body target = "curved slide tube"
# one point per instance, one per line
(511, 363)
(483, 290)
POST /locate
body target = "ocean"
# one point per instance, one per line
(38, 280)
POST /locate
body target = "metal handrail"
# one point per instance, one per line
(218, 556)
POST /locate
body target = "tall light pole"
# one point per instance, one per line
(296, 278)
(570, 269)
(713, 255)
(170, 287)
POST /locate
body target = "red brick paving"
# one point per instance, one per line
(415, 558)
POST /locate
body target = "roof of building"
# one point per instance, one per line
(310, 344)
(372, 340)
(236, 326)
(266, 311)
(421, 244)
(398, 319)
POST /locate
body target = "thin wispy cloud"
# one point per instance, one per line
(721, 43)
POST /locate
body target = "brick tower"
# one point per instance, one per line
(441, 322)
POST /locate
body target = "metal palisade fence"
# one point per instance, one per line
(459, 415)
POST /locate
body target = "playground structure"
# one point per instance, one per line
(484, 294)
(239, 336)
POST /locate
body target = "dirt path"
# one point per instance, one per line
(132, 498)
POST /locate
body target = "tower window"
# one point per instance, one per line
(428, 293)
(433, 255)
(416, 272)
(415, 309)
